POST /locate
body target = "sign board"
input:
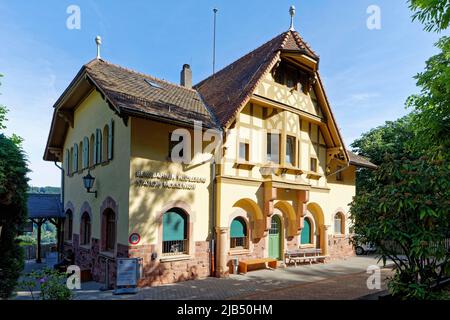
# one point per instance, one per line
(127, 275)
(51, 259)
(134, 238)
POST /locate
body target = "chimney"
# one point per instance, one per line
(186, 76)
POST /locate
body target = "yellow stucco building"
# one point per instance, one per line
(262, 167)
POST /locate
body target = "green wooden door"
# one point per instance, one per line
(274, 238)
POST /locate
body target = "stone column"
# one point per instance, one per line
(221, 252)
(324, 239)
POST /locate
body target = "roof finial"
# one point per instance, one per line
(292, 13)
(98, 41)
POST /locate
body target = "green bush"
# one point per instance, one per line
(13, 212)
(51, 284)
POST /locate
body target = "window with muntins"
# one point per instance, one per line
(338, 223)
(273, 147)
(244, 152)
(238, 234)
(290, 150)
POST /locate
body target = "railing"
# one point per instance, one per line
(30, 251)
(175, 247)
(238, 242)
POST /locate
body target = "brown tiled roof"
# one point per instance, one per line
(140, 94)
(229, 89)
(360, 161)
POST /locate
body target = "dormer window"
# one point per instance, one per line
(290, 76)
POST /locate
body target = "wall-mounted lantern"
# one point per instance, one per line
(88, 181)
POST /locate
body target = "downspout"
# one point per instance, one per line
(59, 246)
(213, 217)
(212, 238)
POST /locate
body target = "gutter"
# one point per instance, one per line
(62, 203)
(213, 215)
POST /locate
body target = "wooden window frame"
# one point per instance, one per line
(245, 239)
(85, 229)
(268, 143)
(294, 161)
(315, 161)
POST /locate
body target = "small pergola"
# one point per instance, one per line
(44, 207)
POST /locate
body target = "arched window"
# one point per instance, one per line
(306, 236)
(92, 151)
(85, 229)
(68, 225)
(238, 234)
(339, 225)
(105, 145)
(109, 230)
(175, 239)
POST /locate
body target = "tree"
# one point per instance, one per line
(391, 138)
(3, 112)
(405, 212)
(435, 14)
(13, 208)
(431, 108)
(403, 206)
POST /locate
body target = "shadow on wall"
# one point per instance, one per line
(156, 273)
(144, 200)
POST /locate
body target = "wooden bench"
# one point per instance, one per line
(303, 255)
(267, 262)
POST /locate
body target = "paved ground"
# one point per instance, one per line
(344, 279)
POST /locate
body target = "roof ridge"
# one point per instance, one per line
(140, 73)
(199, 84)
(301, 42)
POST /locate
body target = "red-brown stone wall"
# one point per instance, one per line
(339, 247)
(156, 272)
(257, 252)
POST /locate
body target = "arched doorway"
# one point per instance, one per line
(275, 238)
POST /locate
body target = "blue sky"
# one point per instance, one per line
(367, 73)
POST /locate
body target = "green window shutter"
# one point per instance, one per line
(306, 232)
(75, 158)
(98, 146)
(94, 148)
(67, 162)
(110, 139)
(238, 229)
(174, 226)
(85, 152)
